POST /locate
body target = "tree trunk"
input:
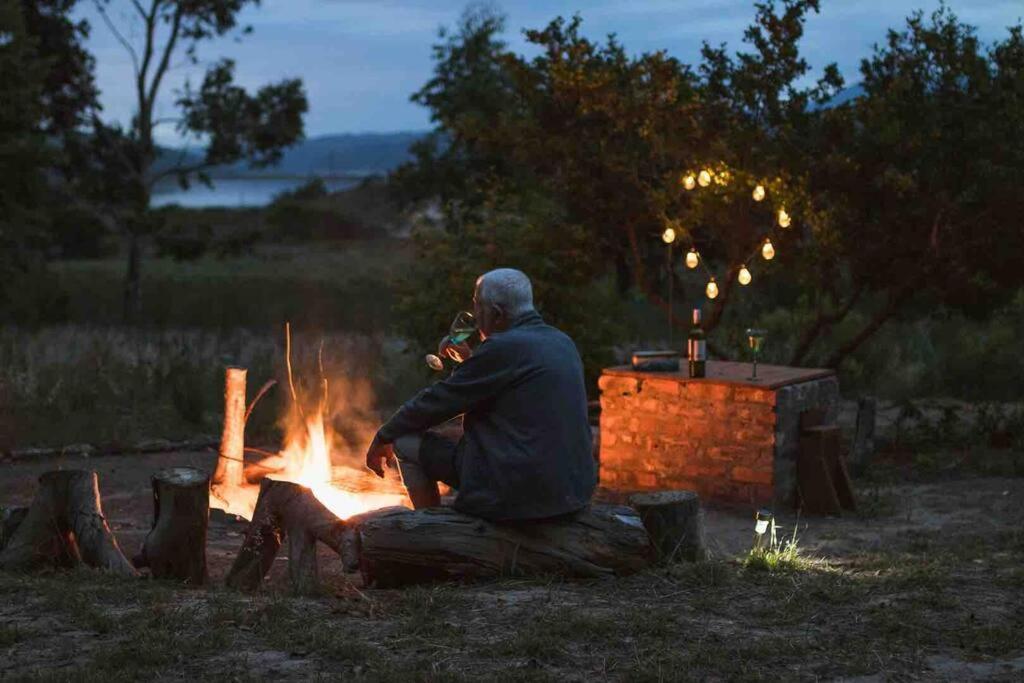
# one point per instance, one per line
(64, 525)
(285, 509)
(863, 446)
(396, 546)
(229, 472)
(675, 522)
(176, 546)
(133, 280)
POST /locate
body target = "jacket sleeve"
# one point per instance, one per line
(489, 370)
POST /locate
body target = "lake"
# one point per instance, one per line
(236, 192)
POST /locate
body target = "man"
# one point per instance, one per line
(525, 452)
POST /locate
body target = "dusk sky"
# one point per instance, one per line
(361, 59)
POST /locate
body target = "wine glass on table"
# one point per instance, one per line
(755, 340)
(462, 328)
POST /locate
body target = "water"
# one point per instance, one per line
(236, 192)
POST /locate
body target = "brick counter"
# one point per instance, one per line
(729, 439)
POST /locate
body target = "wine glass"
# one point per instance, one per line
(462, 328)
(755, 340)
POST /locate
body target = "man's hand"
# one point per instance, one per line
(457, 352)
(378, 456)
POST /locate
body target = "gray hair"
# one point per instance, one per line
(507, 288)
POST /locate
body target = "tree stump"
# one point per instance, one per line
(397, 546)
(175, 547)
(675, 522)
(65, 525)
(285, 509)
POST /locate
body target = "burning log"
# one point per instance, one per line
(175, 547)
(397, 546)
(285, 510)
(675, 523)
(231, 463)
(65, 525)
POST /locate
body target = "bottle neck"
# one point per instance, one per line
(696, 316)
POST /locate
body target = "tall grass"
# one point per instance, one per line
(73, 384)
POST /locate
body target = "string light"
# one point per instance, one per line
(704, 178)
(712, 289)
(692, 259)
(669, 236)
(768, 251)
(744, 276)
(689, 182)
(784, 219)
(758, 193)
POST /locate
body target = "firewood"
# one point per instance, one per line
(175, 547)
(397, 546)
(65, 525)
(231, 463)
(285, 509)
(675, 522)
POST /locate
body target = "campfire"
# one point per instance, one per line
(314, 456)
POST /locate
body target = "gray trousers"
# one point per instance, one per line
(424, 459)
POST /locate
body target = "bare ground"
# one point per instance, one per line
(926, 581)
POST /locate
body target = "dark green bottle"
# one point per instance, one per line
(696, 347)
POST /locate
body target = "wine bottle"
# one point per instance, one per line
(696, 347)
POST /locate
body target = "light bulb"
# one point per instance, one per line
(744, 276)
(704, 178)
(768, 251)
(669, 236)
(712, 289)
(692, 259)
(689, 182)
(758, 193)
(784, 219)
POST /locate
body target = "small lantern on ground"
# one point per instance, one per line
(764, 530)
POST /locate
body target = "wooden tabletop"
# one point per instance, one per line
(734, 373)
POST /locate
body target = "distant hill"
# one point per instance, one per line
(354, 154)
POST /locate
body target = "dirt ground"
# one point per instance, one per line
(925, 581)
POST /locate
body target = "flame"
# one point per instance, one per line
(330, 465)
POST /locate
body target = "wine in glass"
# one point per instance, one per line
(462, 328)
(755, 340)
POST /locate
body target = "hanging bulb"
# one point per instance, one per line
(689, 182)
(758, 193)
(768, 251)
(712, 289)
(704, 178)
(744, 276)
(692, 259)
(669, 236)
(784, 219)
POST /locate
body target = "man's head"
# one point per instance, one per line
(501, 296)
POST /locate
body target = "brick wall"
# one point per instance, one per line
(719, 440)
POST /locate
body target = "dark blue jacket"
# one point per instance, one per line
(526, 447)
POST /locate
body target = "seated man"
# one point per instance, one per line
(525, 452)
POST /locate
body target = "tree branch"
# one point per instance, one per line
(166, 57)
(824, 319)
(119, 36)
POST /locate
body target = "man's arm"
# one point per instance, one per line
(488, 370)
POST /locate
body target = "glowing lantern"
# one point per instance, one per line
(784, 219)
(669, 236)
(712, 289)
(744, 276)
(692, 259)
(758, 193)
(768, 251)
(704, 178)
(689, 182)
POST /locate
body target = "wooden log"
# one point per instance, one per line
(175, 547)
(863, 447)
(65, 525)
(397, 546)
(675, 522)
(285, 509)
(817, 472)
(229, 472)
(10, 519)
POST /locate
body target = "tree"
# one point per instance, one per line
(120, 164)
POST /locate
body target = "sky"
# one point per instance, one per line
(360, 60)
